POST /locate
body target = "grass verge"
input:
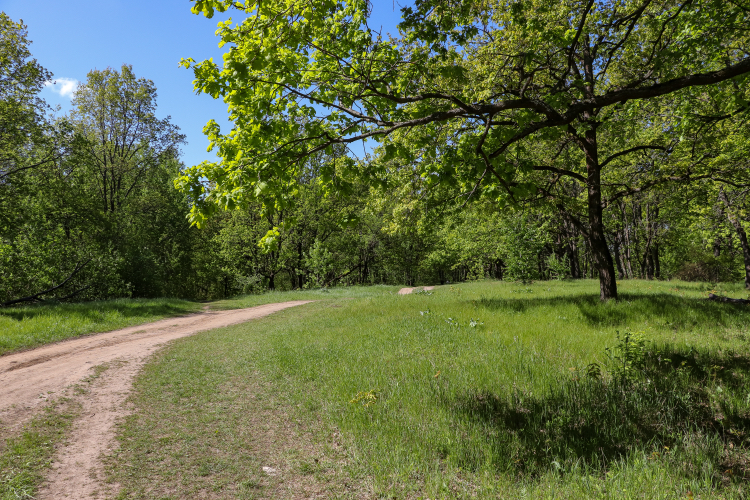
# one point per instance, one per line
(320, 294)
(24, 458)
(31, 326)
(484, 390)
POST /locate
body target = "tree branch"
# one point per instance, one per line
(37, 295)
(628, 151)
(561, 172)
(655, 182)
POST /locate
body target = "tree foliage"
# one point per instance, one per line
(481, 96)
(24, 130)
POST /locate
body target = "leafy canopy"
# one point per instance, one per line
(464, 92)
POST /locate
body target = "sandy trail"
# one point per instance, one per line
(407, 291)
(28, 379)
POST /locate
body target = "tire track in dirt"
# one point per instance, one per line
(28, 379)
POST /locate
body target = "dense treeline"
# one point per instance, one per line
(89, 209)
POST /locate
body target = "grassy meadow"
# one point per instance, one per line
(480, 390)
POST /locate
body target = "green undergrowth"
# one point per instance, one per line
(31, 326)
(482, 390)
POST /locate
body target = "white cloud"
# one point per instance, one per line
(63, 86)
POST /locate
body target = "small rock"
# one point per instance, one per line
(270, 471)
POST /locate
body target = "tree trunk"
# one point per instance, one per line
(575, 266)
(745, 250)
(648, 257)
(300, 266)
(618, 257)
(719, 298)
(571, 250)
(742, 234)
(657, 264)
(601, 257)
(628, 255)
(626, 264)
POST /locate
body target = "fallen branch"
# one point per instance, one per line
(71, 295)
(44, 292)
(333, 280)
(719, 298)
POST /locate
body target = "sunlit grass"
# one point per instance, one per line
(432, 407)
(24, 458)
(32, 326)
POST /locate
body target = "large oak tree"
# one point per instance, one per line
(469, 91)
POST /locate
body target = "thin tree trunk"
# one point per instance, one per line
(628, 243)
(300, 263)
(745, 251)
(618, 257)
(742, 234)
(650, 265)
(571, 234)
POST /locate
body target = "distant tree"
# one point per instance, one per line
(25, 132)
(115, 112)
(125, 162)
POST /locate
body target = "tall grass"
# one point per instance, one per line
(484, 390)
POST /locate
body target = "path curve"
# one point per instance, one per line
(29, 378)
(407, 291)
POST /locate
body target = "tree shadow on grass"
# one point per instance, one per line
(694, 403)
(98, 311)
(678, 312)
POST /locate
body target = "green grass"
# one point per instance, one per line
(31, 326)
(25, 458)
(504, 409)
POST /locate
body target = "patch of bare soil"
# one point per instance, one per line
(75, 472)
(407, 291)
(28, 379)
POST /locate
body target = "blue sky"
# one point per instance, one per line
(72, 37)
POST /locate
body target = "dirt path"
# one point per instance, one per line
(28, 379)
(407, 291)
